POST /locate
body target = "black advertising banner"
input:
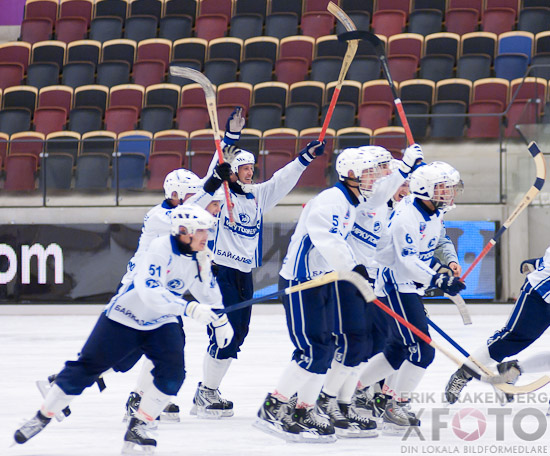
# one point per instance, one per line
(83, 263)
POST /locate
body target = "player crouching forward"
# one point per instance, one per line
(144, 316)
(404, 255)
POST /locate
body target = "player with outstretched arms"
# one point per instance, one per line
(353, 325)
(237, 251)
(529, 318)
(145, 315)
(404, 254)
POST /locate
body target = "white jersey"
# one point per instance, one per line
(240, 246)
(162, 276)
(157, 223)
(371, 219)
(318, 244)
(540, 279)
(406, 250)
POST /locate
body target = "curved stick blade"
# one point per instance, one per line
(194, 75)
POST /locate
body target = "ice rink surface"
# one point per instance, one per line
(34, 346)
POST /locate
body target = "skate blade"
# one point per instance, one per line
(275, 431)
(44, 386)
(130, 448)
(394, 429)
(204, 413)
(312, 437)
(170, 417)
(347, 433)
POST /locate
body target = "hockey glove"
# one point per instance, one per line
(312, 150)
(438, 267)
(233, 127)
(450, 285)
(223, 331)
(528, 266)
(200, 312)
(412, 158)
(361, 269)
(222, 172)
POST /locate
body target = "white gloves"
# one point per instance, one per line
(204, 259)
(200, 312)
(223, 331)
(412, 158)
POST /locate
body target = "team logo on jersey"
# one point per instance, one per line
(244, 218)
(408, 251)
(152, 283)
(175, 284)
(422, 229)
(432, 242)
(377, 226)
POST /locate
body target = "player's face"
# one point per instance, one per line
(384, 169)
(214, 208)
(199, 240)
(368, 177)
(245, 173)
(401, 192)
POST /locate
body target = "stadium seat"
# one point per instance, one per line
(352, 137)
(138, 28)
(146, 7)
(491, 89)
(254, 71)
(392, 138)
(349, 92)
(69, 29)
(42, 74)
(171, 141)
(520, 112)
(325, 69)
(56, 96)
(225, 48)
(436, 67)
(418, 125)
(281, 25)
(85, 119)
(516, 42)
(442, 43)
(269, 162)
(175, 27)
(116, 8)
(235, 93)
(343, 115)
(20, 172)
(246, 25)
(484, 126)
(127, 95)
(511, 66)
(121, 118)
(106, 28)
(91, 95)
(271, 92)
(163, 94)
(67, 142)
(49, 51)
(406, 44)
(75, 74)
(20, 97)
(156, 49)
(122, 49)
(160, 164)
(193, 94)
(148, 72)
(92, 172)
(297, 46)
(301, 115)
(402, 67)
(192, 117)
(360, 18)
(265, 116)
(330, 46)
(280, 139)
(291, 69)
(113, 73)
(210, 26)
(36, 29)
(316, 24)
(461, 20)
(27, 142)
(190, 48)
(40, 9)
(363, 69)
(16, 51)
(307, 91)
(473, 66)
(100, 141)
(223, 7)
(425, 21)
(454, 89)
(498, 20)
(14, 120)
(76, 8)
(388, 22)
(11, 74)
(377, 90)
(84, 51)
(375, 114)
(534, 20)
(56, 171)
(156, 118)
(49, 120)
(529, 88)
(221, 71)
(264, 47)
(448, 126)
(186, 7)
(129, 170)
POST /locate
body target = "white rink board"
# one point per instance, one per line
(34, 346)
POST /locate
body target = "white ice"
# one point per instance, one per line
(34, 346)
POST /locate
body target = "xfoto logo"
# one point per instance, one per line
(462, 424)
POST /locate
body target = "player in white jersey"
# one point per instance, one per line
(237, 251)
(528, 320)
(317, 246)
(145, 315)
(445, 260)
(404, 254)
(353, 325)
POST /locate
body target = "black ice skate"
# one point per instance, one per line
(367, 428)
(313, 427)
(275, 418)
(209, 404)
(137, 440)
(171, 413)
(511, 371)
(377, 405)
(132, 406)
(44, 386)
(31, 428)
(328, 406)
(456, 384)
(397, 419)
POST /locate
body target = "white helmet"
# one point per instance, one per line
(437, 182)
(242, 157)
(364, 165)
(182, 181)
(192, 218)
(382, 154)
(219, 194)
